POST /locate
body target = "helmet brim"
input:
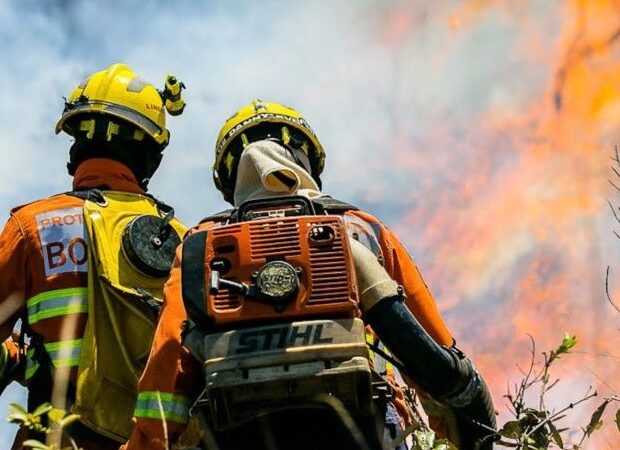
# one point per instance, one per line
(122, 112)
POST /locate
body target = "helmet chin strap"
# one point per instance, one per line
(142, 157)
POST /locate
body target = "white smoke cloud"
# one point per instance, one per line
(328, 58)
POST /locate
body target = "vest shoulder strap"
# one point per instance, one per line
(193, 277)
(163, 207)
(222, 216)
(327, 204)
(94, 195)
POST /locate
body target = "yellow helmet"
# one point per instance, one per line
(236, 134)
(119, 92)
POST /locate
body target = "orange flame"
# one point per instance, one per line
(518, 235)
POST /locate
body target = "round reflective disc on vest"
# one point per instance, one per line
(149, 244)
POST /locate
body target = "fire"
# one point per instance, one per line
(515, 237)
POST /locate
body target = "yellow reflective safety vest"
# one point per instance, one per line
(122, 308)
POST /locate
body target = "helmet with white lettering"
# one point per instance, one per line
(257, 121)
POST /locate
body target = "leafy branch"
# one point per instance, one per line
(38, 421)
(537, 428)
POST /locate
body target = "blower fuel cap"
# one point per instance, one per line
(149, 243)
(277, 281)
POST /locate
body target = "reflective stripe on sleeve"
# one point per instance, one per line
(173, 407)
(59, 302)
(64, 353)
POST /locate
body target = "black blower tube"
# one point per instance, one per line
(444, 373)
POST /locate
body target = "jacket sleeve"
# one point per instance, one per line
(12, 301)
(10, 367)
(461, 406)
(404, 271)
(171, 380)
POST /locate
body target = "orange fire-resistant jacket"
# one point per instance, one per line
(173, 378)
(43, 271)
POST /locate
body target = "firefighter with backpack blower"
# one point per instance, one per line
(263, 330)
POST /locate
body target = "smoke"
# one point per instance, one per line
(480, 131)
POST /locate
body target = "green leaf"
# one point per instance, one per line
(35, 444)
(530, 418)
(42, 409)
(511, 429)
(17, 413)
(425, 439)
(16, 418)
(618, 419)
(56, 414)
(595, 420)
(541, 438)
(555, 435)
(68, 420)
(567, 343)
(15, 408)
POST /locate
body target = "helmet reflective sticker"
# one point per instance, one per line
(137, 84)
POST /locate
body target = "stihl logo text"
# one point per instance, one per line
(281, 337)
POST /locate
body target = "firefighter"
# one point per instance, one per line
(268, 150)
(118, 123)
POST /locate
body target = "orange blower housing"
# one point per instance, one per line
(274, 314)
(279, 270)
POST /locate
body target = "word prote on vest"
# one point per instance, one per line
(277, 338)
(63, 240)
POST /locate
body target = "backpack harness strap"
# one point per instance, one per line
(222, 216)
(193, 277)
(322, 205)
(330, 205)
(96, 195)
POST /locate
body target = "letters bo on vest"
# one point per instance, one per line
(63, 241)
(274, 317)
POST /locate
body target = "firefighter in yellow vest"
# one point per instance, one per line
(71, 267)
(229, 333)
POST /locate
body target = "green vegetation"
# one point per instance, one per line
(56, 419)
(534, 426)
